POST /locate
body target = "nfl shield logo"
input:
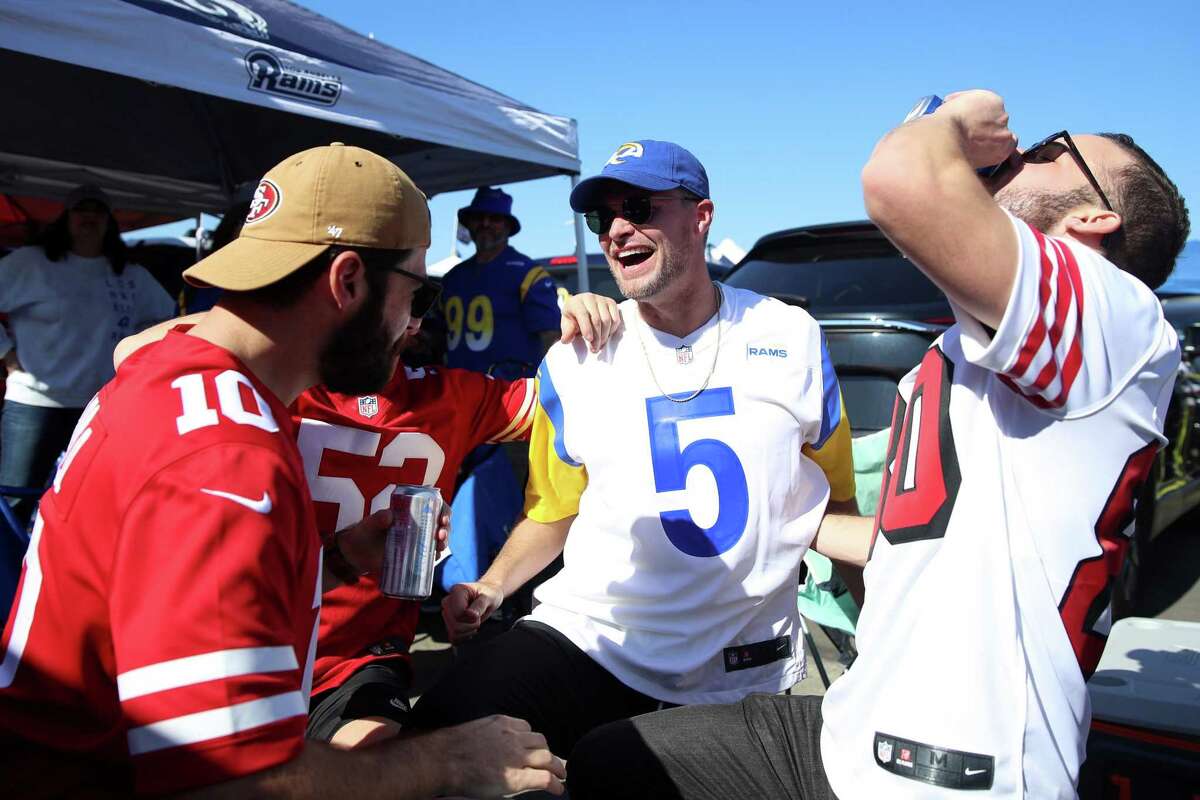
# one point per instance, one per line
(368, 406)
(883, 749)
(683, 354)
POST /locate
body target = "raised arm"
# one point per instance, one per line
(921, 189)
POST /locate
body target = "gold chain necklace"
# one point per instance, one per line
(712, 368)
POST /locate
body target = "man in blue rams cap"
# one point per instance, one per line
(690, 459)
(500, 308)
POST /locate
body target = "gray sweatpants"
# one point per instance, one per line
(767, 746)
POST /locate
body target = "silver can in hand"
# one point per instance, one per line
(410, 550)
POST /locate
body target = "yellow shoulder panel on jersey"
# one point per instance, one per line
(556, 481)
(835, 455)
(533, 276)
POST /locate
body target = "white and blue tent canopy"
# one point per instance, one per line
(179, 106)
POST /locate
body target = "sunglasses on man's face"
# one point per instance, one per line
(636, 210)
(424, 296)
(1051, 149)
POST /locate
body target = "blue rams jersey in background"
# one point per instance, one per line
(494, 311)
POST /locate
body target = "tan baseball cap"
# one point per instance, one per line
(309, 202)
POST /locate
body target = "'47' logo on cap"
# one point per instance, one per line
(267, 198)
(627, 150)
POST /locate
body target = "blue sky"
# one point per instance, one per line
(783, 101)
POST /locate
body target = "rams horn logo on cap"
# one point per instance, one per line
(627, 150)
(267, 197)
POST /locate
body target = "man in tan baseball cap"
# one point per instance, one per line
(163, 637)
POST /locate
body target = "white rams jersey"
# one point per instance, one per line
(681, 568)
(1005, 511)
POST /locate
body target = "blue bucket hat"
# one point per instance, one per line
(492, 201)
(647, 164)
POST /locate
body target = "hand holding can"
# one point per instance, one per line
(410, 549)
(930, 103)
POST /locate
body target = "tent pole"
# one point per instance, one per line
(581, 264)
(199, 238)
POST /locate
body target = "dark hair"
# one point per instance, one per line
(1154, 217)
(55, 240)
(287, 291)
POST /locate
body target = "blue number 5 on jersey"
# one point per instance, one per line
(671, 466)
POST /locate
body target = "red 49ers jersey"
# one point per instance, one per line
(1004, 515)
(417, 430)
(166, 615)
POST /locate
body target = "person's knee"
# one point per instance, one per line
(612, 762)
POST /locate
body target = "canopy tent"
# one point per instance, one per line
(179, 106)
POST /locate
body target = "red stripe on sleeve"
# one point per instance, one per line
(1074, 357)
(1037, 333)
(1036, 399)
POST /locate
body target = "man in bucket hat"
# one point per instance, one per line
(501, 313)
(686, 532)
(499, 306)
(163, 634)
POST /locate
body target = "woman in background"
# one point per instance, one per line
(69, 299)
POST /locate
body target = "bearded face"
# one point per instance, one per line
(1042, 209)
(361, 356)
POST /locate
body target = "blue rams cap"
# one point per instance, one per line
(492, 201)
(646, 164)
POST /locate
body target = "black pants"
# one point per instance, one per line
(32, 438)
(534, 673)
(379, 689)
(767, 746)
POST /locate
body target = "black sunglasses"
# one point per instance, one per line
(424, 296)
(636, 210)
(1050, 149)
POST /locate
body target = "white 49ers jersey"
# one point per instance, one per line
(681, 568)
(1006, 504)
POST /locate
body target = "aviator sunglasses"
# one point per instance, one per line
(1048, 150)
(636, 210)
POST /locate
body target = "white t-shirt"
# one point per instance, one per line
(1004, 515)
(681, 568)
(66, 317)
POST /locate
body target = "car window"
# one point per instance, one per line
(861, 284)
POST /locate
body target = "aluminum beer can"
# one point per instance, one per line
(410, 548)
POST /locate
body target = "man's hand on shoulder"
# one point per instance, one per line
(593, 316)
(467, 606)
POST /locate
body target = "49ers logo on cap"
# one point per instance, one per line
(267, 197)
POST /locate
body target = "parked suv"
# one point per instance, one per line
(880, 313)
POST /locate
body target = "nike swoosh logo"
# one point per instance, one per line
(262, 506)
(970, 771)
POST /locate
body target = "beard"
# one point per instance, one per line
(1040, 209)
(673, 264)
(361, 355)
